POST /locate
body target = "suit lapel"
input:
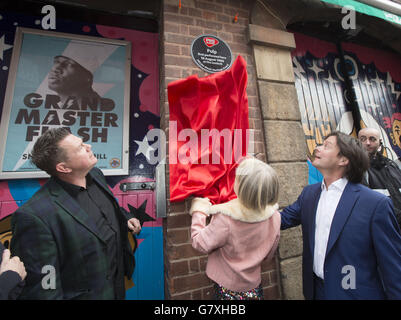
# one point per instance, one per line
(69, 205)
(344, 208)
(312, 219)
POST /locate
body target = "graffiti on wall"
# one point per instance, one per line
(323, 98)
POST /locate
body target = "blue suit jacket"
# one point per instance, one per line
(364, 235)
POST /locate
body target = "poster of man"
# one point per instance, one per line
(68, 78)
(62, 80)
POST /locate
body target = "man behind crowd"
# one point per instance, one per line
(384, 175)
(72, 235)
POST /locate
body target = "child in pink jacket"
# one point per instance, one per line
(242, 232)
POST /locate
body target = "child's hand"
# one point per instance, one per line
(200, 204)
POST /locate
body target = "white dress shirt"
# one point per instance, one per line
(328, 202)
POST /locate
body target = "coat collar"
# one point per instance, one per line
(339, 184)
(55, 188)
(66, 202)
(237, 211)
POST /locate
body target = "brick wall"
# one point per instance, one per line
(184, 267)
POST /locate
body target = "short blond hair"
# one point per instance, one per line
(256, 184)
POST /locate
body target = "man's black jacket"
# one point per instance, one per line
(385, 174)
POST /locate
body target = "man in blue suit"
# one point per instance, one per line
(351, 239)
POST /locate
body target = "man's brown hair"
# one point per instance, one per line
(46, 152)
(352, 149)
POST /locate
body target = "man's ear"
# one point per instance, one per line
(62, 168)
(344, 161)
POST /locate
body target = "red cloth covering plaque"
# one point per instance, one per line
(200, 108)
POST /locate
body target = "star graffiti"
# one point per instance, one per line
(377, 80)
(391, 83)
(140, 213)
(144, 147)
(3, 47)
(331, 80)
(315, 68)
(298, 69)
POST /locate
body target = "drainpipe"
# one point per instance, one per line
(356, 115)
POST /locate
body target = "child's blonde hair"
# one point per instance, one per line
(256, 184)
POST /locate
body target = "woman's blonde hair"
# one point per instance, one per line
(256, 184)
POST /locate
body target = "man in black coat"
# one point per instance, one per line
(72, 234)
(12, 274)
(384, 175)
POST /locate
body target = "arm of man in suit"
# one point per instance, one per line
(291, 215)
(33, 242)
(387, 244)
